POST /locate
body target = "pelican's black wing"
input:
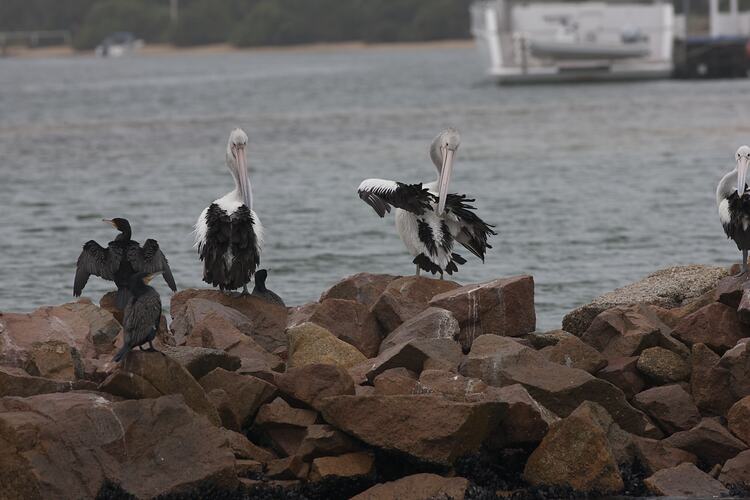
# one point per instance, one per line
(96, 260)
(245, 247)
(381, 194)
(150, 259)
(472, 232)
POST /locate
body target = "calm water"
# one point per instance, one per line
(590, 186)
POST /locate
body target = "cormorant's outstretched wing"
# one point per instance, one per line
(471, 231)
(96, 260)
(150, 259)
(380, 194)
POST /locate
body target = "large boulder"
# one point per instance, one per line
(668, 288)
(406, 297)
(736, 471)
(417, 355)
(268, 320)
(145, 374)
(55, 359)
(432, 323)
(663, 366)
(323, 440)
(364, 288)
(200, 360)
(502, 361)
(355, 464)
(738, 419)
(670, 406)
(709, 382)
(312, 344)
(418, 487)
(685, 480)
(655, 455)
(283, 426)
(429, 428)
(396, 381)
(574, 353)
(709, 440)
(623, 373)
(194, 311)
(348, 320)
(16, 382)
(736, 363)
(244, 394)
(309, 384)
(715, 325)
(69, 446)
(499, 307)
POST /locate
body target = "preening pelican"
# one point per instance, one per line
(733, 199)
(228, 233)
(122, 259)
(428, 218)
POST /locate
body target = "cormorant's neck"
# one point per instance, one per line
(124, 235)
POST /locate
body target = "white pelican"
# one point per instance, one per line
(734, 208)
(428, 218)
(228, 233)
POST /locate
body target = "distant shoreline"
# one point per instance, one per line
(223, 48)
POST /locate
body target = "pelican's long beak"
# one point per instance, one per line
(247, 195)
(110, 222)
(445, 177)
(742, 165)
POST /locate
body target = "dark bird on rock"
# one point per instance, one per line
(264, 293)
(122, 258)
(142, 315)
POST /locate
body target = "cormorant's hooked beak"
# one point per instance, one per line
(242, 176)
(445, 177)
(110, 222)
(742, 166)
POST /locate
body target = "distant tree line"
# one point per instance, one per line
(243, 22)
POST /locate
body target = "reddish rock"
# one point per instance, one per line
(311, 383)
(16, 382)
(540, 340)
(349, 321)
(738, 419)
(736, 363)
(287, 468)
(396, 381)
(709, 440)
(670, 406)
(245, 394)
(349, 465)
(663, 366)
(248, 468)
(268, 320)
(246, 450)
(50, 451)
(311, 344)
(709, 383)
(743, 308)
(499, 307)
(364, 288)
(574, 353)
(145, 374)
(623, 373)
(55, 360)
(417, 487)
(432, 323)
(429, 428)
(107, 302)
(729, 290)
(323, 440)
(685, 480)
(656, 455)
(283, 426)
(195, 311)
(736, 471)
(406, 297)
(624, 331)
(417, 355)
(715, 325)
(575, 453)
(501, 361)
(200, 360)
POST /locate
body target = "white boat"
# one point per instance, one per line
(524, 42)
(118, 44)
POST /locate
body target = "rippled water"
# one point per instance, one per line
(590, 186)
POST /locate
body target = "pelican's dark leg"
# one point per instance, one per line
(418, 270)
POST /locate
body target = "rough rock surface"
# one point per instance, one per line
(244, 395)
(656, 455)
(432, 323)
(709, 440)
(323, 440)
(310, 384)
(670, 406)
(574, 353)
(406, 297)
(347, 465)
(715, 325)
(709, 383)
(418, 487)
(364, 288)
(663, 366)
(56, 360)
(396, 381)
(625, 331)
(738, 419)
(312, 344)
(736, 364)
(668, 288)
(417, 355)
(199, 360)
(283, 426)
(685, 480)
(623, 373)
(736, 471)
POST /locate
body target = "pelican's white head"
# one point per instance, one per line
(237, 163)
(743, 161)
(442, 152)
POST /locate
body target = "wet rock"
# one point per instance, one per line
(574, 353)
(738, 419)
(245, 395)
(309, 384)
(199, 361)
(709, 383)
(268, 320)
(283, 426)
(624, 374)
(55, 360)
(663, 366)
(395, 381)
(575, 453)
(709, 440)
(715, 325)
(418, 487)
(418, 355)
(656, 455)
(349, 321)
(729, 290)
(364, 288)
(499, 307)
(668, 288)
(736, 363)
(432, 323)
(349, 465)
(152, 374)
(312, 344)
(670, 406)
(501, 361)
(323, 440)
(429, 428)
(406, 297)
(736, 471)
(685, 480)
(16, 382)
(246, 450)
(624, 331)
(50, 450)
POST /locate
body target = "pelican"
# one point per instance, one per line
(429, 218)
(228, 233)
(734, 208)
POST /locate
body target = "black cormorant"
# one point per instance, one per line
(142, 315)
(264, 293)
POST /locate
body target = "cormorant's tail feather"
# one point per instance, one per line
(121, 354)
